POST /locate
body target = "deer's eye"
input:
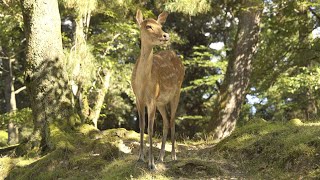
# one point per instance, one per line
(149, 27)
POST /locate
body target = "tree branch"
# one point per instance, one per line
(20, 89)
(314, 13)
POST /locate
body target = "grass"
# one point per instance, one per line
(259, 150)
(274, 150)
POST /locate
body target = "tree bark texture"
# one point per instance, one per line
(91, 113)
(232, 92)
(46, 79)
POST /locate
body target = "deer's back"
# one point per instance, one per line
(168, 66)
(168, 70)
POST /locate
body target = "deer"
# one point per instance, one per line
(156, 82)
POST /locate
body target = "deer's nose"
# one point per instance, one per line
(166, 36)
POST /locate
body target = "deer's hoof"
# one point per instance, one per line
(152, 167)
(160, 159)
(141, 159)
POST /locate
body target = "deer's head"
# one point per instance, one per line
(151, 30)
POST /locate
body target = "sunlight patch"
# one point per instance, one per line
(123, 148)
(217, 45)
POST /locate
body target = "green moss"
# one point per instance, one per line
(42, 169)
(61, 139)
(314, 174)
(3, 138)
(5, 166)
(86, 129)
(106, 150)
(195, 168)
(273, 150)
(74, 120)
(123, 168)
(128, 168)
(8, 163)
(295, 122)
(76, 155)
(132, 135)
(25, 133)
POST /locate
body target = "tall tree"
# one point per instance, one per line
(47, 82)
(11, 48)
(239, 68)
(10, 99)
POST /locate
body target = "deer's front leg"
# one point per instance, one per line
(151, 115)
(141, 112)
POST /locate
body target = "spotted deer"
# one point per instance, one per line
(156, 82)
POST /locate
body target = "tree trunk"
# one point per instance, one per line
(239, 68)
(101, 93)
(80, 55)
(10, 98)
(46, 80)
(88, 108)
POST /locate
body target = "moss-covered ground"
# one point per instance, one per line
(3, 138)
(258, 150)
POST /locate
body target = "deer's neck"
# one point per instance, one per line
(146, 59)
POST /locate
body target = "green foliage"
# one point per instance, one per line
(189, 7)
(22, 118)
(11, 23)
(286, 69)
(205, 69)
(81, 7)
(211, 62)
(296, 82)
(12, 47)
(113, 39)
(84, 73)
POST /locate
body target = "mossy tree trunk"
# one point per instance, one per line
(46, 80)
(81, 55)
(232, 92)
(103, 86)
(88, 102)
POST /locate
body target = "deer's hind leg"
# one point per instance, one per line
(173, 108)
(162, 110)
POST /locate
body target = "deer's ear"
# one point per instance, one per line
(139, 17)
(162, 17)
